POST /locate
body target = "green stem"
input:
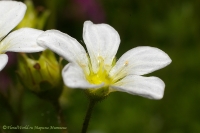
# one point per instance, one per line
(88, 116)
(60, 117)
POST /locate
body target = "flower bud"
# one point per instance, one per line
(40, 75)
(32, 18)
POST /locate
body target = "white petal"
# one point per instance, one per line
(102, 42)
(74, 77)
(139, 61)
(3, 60)
(66, 46)
(11, 13)
(22, 40)
(149, 87)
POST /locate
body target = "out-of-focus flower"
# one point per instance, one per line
(90, 9)
(99, 73)
(22, 40)
(33, 18)
(39, 75)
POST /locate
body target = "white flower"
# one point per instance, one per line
(99, 72)
(22, 40)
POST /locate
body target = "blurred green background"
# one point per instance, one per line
(172, 26)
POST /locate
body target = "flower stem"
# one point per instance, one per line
(88, 116)
(60, 117)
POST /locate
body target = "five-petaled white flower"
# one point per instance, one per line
(99, 72)
(22, 40)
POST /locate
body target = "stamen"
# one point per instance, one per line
(82, 65)
(121, 72)
(100, 62)
(126, 63)
(101, 76)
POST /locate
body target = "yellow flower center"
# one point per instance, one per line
(101, 76)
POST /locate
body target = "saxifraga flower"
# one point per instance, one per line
(99, 73)
(22, 40)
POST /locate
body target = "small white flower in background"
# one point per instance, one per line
(98, 72)
(22, 40)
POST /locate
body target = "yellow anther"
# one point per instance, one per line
(126, 63)
(82, 65)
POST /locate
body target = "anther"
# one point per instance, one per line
(126, 63)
